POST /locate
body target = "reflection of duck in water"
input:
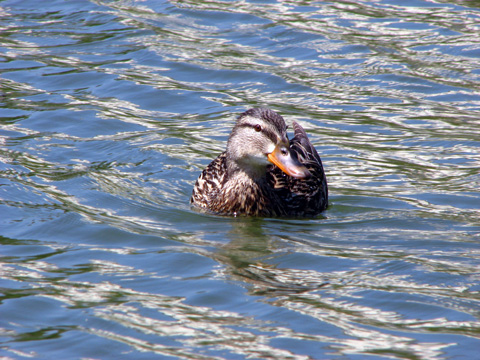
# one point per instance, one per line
(263, 174)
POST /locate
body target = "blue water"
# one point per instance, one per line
(111, 109)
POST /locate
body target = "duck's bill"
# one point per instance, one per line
(287, 163)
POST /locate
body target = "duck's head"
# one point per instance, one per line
(258, 139)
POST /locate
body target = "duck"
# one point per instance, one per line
(262, 173)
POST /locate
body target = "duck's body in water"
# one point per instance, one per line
(262, 173)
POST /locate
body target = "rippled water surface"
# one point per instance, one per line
(109, 111)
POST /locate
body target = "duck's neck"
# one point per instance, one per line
(247, 169)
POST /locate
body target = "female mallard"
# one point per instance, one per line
(261, 173)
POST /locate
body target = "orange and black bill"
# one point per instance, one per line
(289, 164)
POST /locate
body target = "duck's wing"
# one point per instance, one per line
(302, 146)
(209, 183)
(302, 197)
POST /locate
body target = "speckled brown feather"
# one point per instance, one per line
(218, 193)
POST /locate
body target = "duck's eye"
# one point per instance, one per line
(284, 151)
(257, 128)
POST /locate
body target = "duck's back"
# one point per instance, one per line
(302, 197)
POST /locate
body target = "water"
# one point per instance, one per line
(109, 111)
